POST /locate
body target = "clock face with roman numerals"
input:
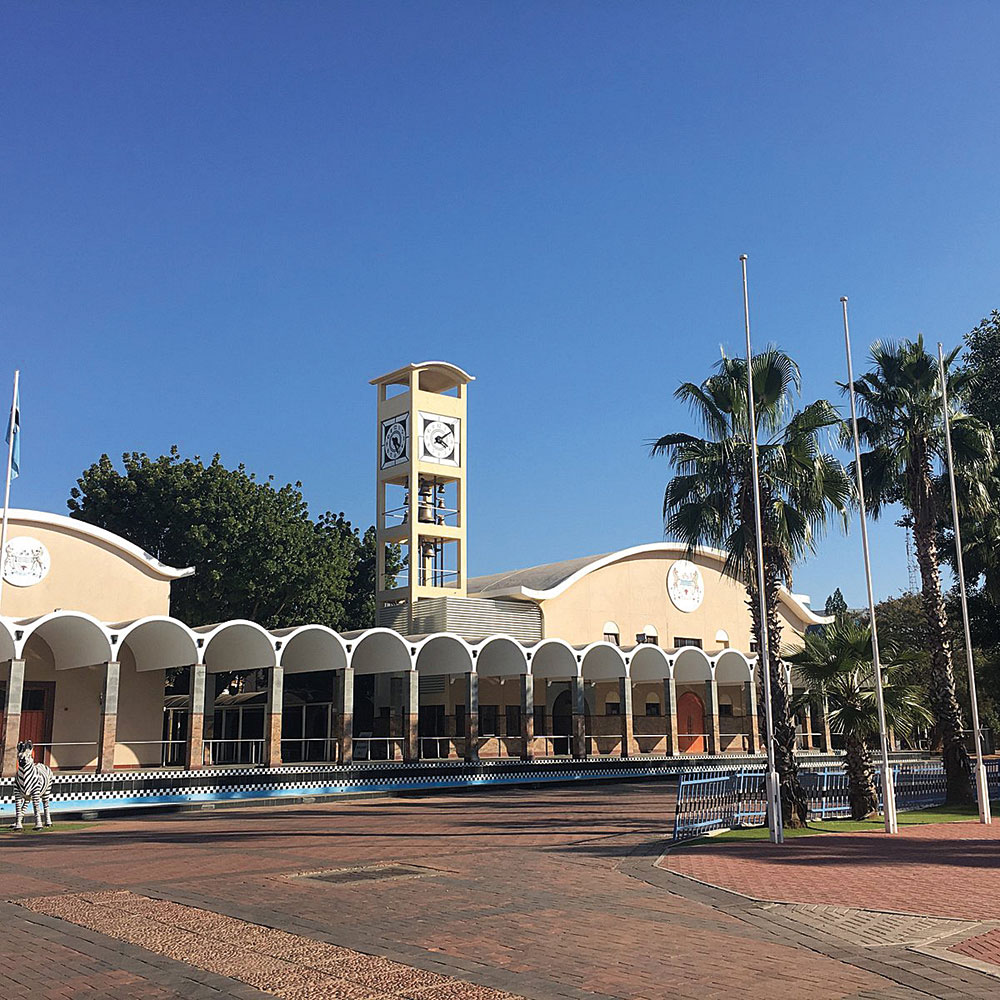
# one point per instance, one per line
(439, 438)
(395, 440)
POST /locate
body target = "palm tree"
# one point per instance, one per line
(836, 665)
(900, 403)
(709, 501)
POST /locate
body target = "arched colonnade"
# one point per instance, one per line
(492, 697)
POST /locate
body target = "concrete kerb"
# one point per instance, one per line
(778, 921)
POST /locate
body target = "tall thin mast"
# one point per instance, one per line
(982, 785)
(888, 789)
(772, 784)
(6, 493)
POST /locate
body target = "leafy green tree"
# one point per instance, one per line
(900, 402)
(256, 552)
(836, 665)
(981, 366)
(709, 501)
(836, 606)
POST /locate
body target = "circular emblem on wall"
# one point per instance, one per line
(25, 561)
(685, 585)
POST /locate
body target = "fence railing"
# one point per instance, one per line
(717, 799)
(378, 747)
(553, 746)
(172, 752)
(218, 752)
(310, 749)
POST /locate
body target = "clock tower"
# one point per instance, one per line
(421, 485)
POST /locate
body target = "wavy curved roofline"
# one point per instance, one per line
(123, 545)
(678, 549)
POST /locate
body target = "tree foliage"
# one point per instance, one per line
(256, 552)
(836, 665)
(709, 500)
(836, 606)
(902, 426)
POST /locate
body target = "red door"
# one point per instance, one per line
(36, 716)
(690, 723)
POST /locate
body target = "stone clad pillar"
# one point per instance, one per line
(194, 752)
(670, 714)
(472, 716)
(272, 717)
(751, 690)
(345, 728)
(579, 731)
(527, 716)
(14, 671)
(109, 718)
(628, 722)
(712, 719)
(411, 716)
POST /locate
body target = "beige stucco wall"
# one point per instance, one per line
(76, 715)
(140, 714)
(86, 574)
(632, 592)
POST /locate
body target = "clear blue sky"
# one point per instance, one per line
(219, 220)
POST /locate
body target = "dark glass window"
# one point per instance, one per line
(487, 720)
(652, 708)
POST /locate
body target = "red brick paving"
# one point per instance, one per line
(529, 895)
(984, 948)
(940, 869)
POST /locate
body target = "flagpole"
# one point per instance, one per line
(6, 493)
(888, 790)
(771, 782)
(982, 785)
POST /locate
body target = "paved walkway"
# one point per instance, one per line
(542, 894)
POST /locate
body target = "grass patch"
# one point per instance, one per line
(918, 817)
(55, 828)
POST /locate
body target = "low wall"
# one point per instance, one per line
(77, 793)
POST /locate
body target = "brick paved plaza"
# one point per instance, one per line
(551, 893)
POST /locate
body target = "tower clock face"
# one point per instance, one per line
(395, 440)
(439, 439)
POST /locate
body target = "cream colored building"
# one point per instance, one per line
(636, 652)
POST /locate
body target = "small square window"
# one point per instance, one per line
(613, 708)
(725, 711)
(653, 709)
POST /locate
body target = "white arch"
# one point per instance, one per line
(237, 645)
(691, 665)
(500, 656)
(8, 644)
(75, 638)
(310, 647)
(553, 658)
(444, 653)
(158, 642)
(602, 661)
(648, 663)
(732, 667)
(378, 651)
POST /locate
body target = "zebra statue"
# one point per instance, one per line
(32, 781)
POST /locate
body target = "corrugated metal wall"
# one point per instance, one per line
(470, 617)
